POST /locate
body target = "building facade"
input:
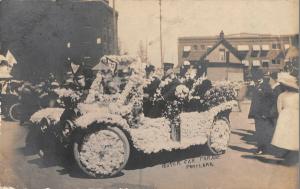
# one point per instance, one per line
(45, 35)
(254, 51)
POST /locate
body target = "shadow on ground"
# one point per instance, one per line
(275, 155)
(140, 160)
(67, 165)
(289, 160)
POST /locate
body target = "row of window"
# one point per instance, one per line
(263, 63)
(239, 47)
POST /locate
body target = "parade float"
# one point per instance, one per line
(103, 130)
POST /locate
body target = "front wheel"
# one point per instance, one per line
(219, 136)
(14, 112)
(102, 153)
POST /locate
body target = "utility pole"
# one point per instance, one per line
(160, 36)
(146, 50)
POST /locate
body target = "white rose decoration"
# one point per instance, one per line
(181, 91)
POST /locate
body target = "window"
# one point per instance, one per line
(222, 54)
(286, 46)
(277, 61)
(202, 47)
(265, 64)
(276, 46)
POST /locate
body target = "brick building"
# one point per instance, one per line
(253, 51)
(44, 35)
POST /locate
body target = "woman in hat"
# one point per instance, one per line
(286, 134)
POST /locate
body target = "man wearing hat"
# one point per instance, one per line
(152, 83)
(261, 104)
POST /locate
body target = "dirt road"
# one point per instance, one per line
(192, 168)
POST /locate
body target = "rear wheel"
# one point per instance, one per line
(219, 136)
(102, 153)
(14, 112)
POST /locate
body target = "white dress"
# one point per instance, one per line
(286, 133)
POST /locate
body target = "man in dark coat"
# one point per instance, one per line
(151, 110)
(260, 111)
(276, 91)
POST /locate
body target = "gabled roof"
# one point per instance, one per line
(226, 44)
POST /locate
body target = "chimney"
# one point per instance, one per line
(221, 35)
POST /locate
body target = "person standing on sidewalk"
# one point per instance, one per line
(261, 104)
(286, 135)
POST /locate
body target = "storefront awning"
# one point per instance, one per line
(256, 63)
(243, 47)
(265, 47)
(245, 62)
(187, 48)
(286, 46)
(256, 47)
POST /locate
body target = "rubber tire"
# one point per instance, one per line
(125, 141)
(10, 112)
(211, 150)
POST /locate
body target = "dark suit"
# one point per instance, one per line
(261, 105)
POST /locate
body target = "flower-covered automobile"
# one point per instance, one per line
(103, 129)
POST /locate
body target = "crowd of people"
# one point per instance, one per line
(275, 110)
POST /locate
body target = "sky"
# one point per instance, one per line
(139, 21)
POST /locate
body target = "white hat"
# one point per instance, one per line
(286, 79)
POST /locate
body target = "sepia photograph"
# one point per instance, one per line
(149, 94)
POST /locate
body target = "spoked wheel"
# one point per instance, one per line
(219, 136)
(102, 153)
(14, 112)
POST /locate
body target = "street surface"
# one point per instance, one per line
(238, 168)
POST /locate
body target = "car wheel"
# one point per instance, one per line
(103, 152)
(219, 136)
(14, 112)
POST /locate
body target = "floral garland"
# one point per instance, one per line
(130, 102)
(158, 96)
(53, 114)
(95, 90)
(193, 132)
(219, 94)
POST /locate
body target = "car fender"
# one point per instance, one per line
(52, 114)
(96, 118)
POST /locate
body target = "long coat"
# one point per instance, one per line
(276, 92)
(261, 102)
(286, 134)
